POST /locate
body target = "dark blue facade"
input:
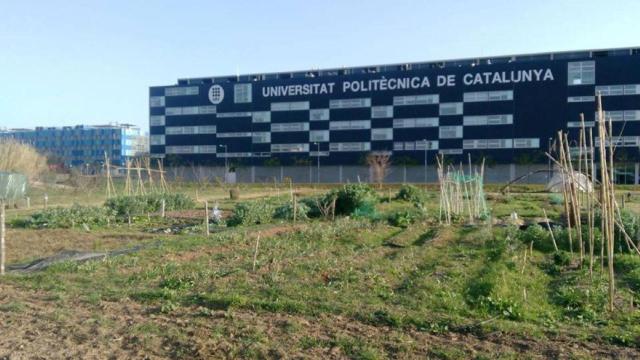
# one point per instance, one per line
(505, 109)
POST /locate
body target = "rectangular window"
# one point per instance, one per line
(532, 143)
(382, 134)
(190, 130)
(379, 112)
(233, 154)
(234, 114)
(415, 123)
(578, 124)
(581, 73)
(487, 144)
(623, 141)
(617, 90)
(349, 103)
(290, 106)
(319, 114)
(416, 100)
(187, 149)
(575, 99)
(350, 146)
(429, 144)
(631, 115)
(319, 135)
(206, 149)
(287, 148)
(451, 151)
(480, 120)
(189, 110)
(350, 125)
(156, 120)
(261, 137)
(451, 108)
(242, 93)
(181, 91)
(261, 117)
(156, 140)
(398, 146)
(482, 96)
(288, 127)
(410, 146)
(450, 132)
(156, 101)
(234, 134)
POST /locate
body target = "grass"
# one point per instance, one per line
(315, 281)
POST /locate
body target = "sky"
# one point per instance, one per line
(69, 62)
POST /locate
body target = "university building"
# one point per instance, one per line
(84, 144)
(505, 109)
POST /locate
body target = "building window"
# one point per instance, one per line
(349, 103)
(576, 99)
(450, 132)
(234, 134)
(487, 144)
(379, 112)
(319, 135)
(479, 120)
(189, 110)
(261, 137)
(429, 144)
(290, 106)
(288, 127)
(581, 73)
(156, 120)
(482, 96)
(532, 143)
(287, 148)
(181, 91)
(156, 139)
(451, 108)
(350, 146)
(261, 117)
(578, 124)
(234, 114)
(382, 134)
(616, 90)
(190, 130)
(415, 123)
(156, 101)
(416, 100)
(242, 93)
(350, 125)
(319, 114)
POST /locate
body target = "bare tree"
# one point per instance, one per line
(379, 164)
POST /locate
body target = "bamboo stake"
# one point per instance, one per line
(206, 217)
(255, 252)
(553, 238)
(2, 236)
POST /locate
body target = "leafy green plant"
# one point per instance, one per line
(139, 204)
(59, 217)
(251, 213)
(405, 218)
(411, 193)
(351, 197)
(285, 211)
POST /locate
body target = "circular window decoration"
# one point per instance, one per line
(216, 94)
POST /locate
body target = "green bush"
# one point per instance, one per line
(251, 213)
(411, 193)
(59, 217)
(311, 203)
(351, 197)
(126, 205)
(539, 236)
(285, 212)
(561, 258)
(625, 263)
(633, 279)
(405, 218)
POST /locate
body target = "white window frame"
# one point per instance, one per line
(458, 108)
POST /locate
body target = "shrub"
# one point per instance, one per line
(138, 204)
(351, 197)
(633, 279)
(625, 263)
(561, 258)
(411, 193)
(539, 236)
(285, 212)
(59, 217)
(251, 213)
(405, 218)
(311, 203)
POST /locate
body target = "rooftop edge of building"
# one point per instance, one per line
(438, 64)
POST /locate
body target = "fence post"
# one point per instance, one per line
(28, 202)
(2, 235)
(46, 200)
(163, 208)
(206, 217)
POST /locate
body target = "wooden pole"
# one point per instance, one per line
(206, 217)
(2, 236)
(163, 208)
(255, 252)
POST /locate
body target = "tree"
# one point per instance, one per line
(379, 165)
